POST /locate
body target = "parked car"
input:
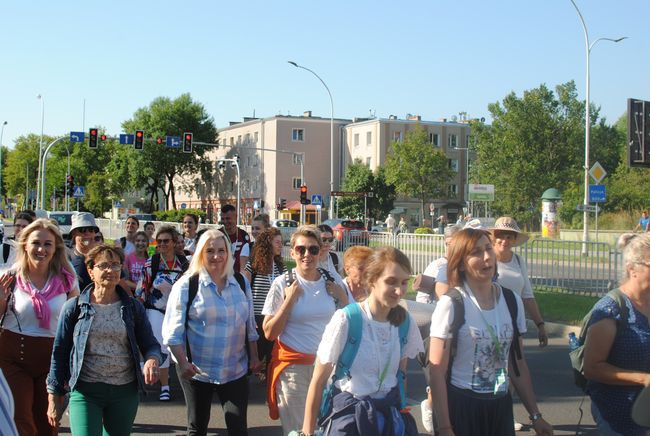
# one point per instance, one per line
(348, 232)
(64, 220)
(287, 228)
(144, 217)
(379, 227)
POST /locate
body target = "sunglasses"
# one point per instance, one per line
(328, 240)
(112, 266)
(163, 241)
(301, 249)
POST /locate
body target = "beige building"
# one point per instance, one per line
(368, 140)
(270, 152)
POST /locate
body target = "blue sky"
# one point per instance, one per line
(434, 58)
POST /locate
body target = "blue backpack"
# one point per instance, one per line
(355, 321)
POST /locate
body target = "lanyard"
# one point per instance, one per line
(382, 375)
(493, 334)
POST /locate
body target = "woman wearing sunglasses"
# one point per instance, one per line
(298, 306)
(328, 259)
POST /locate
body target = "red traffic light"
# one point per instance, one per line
(303, 189)
(104, 137)
(93, 132)
(188, 136)
(159, 140)
(139, 133)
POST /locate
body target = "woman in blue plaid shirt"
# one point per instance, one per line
(208, 337)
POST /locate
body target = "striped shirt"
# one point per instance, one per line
(261, 283)
(217, 325)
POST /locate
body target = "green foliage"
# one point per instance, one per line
(417, 169)
(424, 231)
(21, 166)
(359, 178)
(176, 215)
(156, 164)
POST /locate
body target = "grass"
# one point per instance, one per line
(563, 307)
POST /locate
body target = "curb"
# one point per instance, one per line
(554, 329)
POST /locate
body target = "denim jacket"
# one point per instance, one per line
(72, 335)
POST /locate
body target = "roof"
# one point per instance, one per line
(295, 205)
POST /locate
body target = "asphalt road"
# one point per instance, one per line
(558, 398)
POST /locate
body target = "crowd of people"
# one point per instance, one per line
(85, 328)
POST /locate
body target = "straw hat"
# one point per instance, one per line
(508, 224)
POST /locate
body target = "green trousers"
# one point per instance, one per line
(100, 408)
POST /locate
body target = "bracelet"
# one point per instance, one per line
(541, 323)
(535, 417)
(301, 433)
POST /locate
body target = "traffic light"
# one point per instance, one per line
(139, 139)
(159, 140)
(187, 142)
(303, 195)
(233, 165)
(70, 184)
(282, 204)
(92, 138)
(104, 137)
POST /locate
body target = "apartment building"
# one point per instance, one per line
(270, 152)
(369, 139)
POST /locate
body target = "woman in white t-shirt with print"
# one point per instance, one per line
(471, 392)
(373, 385)
(296, 313)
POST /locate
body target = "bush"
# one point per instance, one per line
(424, 231)
(176, 215)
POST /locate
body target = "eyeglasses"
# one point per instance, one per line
(163, 241)
(301, 249)
(328, 240)
(115, 266)
(86, 230)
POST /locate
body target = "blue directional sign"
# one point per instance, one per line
(596, 193)
(183, 205)
(173, 141)
(79, 192)
(77, 136)
(126, 138)
(317, 199)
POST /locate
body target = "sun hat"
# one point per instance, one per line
(508, 224)
(83, 219)
(640, 409)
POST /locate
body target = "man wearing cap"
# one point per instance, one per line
(82, 232)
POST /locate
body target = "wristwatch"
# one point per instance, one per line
(534, 417)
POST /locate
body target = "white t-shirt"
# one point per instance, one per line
(514, 276)
(29, 324)
(379, 349)
(476, 362)
(438, 270)
(309, 314)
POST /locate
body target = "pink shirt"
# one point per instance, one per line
(135, 266)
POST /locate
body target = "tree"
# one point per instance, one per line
(170, 117)
(359, 178)
(535, 142)
(417, 169)
(21, 167)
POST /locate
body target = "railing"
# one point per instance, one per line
(552, 264)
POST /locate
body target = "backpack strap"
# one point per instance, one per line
(459, 319)
(155, 267)
(403, 330)
(289, 276)
(9, 304)
(355, 322)
(335, 260)
(515, 349)
(193, 289)
(5, 251)
(620, 299)
(123, 242)
(325, 274)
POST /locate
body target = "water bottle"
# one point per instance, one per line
(573, 341)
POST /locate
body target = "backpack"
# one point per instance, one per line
(5, 251)
(191, 294)
(577, 355)
(123, 242)
(335, 261)
(459, 320)
(355, 322)
(155, 265)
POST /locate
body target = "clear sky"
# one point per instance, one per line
(435, 58)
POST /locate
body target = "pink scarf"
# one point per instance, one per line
(56, 285)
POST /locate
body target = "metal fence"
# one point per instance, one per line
(552, 264)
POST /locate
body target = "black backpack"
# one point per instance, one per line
(155, 265)
(191, 294)
(459, 320)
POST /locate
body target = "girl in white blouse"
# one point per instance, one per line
(372, 387)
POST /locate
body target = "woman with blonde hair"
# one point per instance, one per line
(209, 327)
(617, 347)
(354, 265)
(32, 295)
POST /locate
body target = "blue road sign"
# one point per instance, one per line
(79, 192)
(77, 136)
(596, 193)
(183, 205)
(316, 199)
(173, 141)
(126, 138)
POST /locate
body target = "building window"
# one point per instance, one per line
(453, 191)
(433, 139)
(256, 137)
(256, 161)
(397, 136)
(368, 138)
(369, 161)
(452, 140)
(468, 138)
(247, 139)
(238, 139)
(298, 135)
(232, 185)
(297, 183)
(297, 159)
(232, 140)
(356, 139)
(453, 164)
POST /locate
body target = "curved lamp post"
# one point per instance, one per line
(588, 47)
(331, 208)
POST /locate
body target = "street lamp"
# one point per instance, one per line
(2, 132)
(39, 195)
(331, 209)
(588, 47)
